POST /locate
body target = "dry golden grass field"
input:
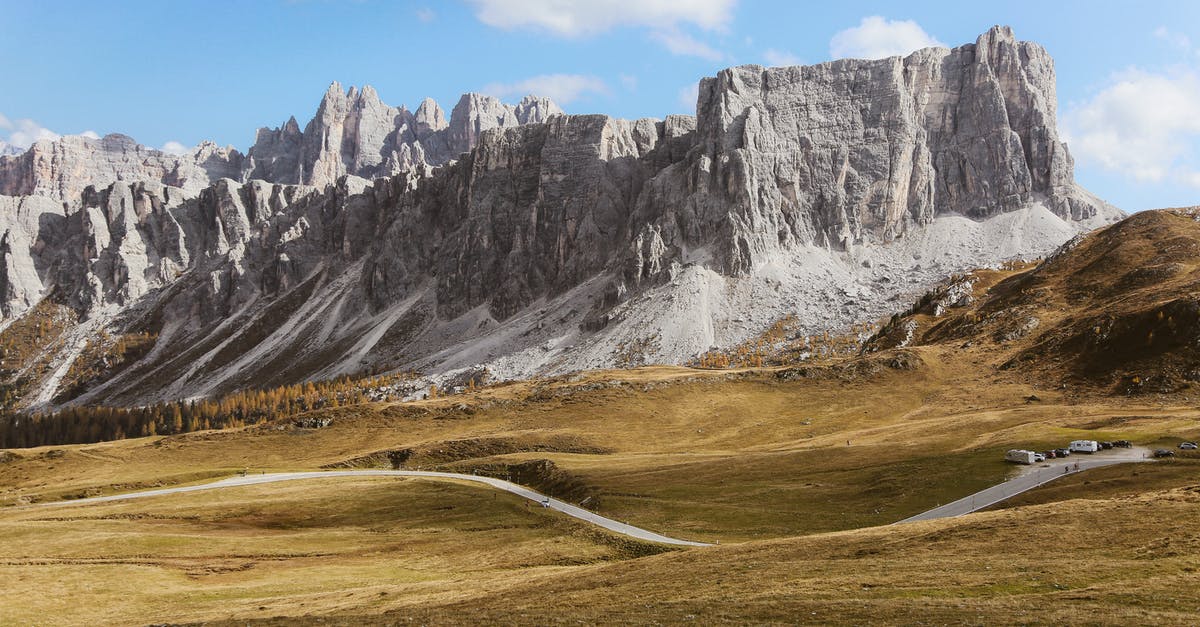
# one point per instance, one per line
(751, 459)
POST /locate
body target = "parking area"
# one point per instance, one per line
(1034, 475)
(1082, 461)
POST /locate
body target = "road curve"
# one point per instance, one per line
(541, 499)
(1036, 476)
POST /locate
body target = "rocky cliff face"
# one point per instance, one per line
(562, 242)
(855, 151)
(353, 132)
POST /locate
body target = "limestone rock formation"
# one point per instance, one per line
(64, 167)
(856, 151)
(547, 242)
(353, 132)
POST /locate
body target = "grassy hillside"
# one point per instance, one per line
(701, 455)
(359, 544)
(1116, 311)
(1120, 561)
(756, 460)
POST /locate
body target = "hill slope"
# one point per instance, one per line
(1115, 309)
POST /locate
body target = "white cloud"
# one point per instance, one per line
(1176, 40)
(24, 132)
(1142, 125)
(878, 38)
(680, 43)
(580, 18)
(573, 18)
(781, 57)
(561, 88)
(174, 148)
(688, 96)
(426, 15)
(1192, 178)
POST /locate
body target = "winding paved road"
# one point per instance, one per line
(554, 504)
(1034, 476)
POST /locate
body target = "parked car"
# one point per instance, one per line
(1038, 458)
(1049, 454)
(1106, 445)
(1062, 452)
(1162, 452)
(1188, 446)
(1123, 444)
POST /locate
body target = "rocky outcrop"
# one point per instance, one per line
(353, 132)
(550, 242)
(29, 225)
(530, 211)
(63, 168)
(856, 151)
(475, 114)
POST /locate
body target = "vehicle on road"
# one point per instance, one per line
(1106, 445)
(1062, 452)
(1049, 454)
(1123, 444)
(1038, 458)
(1188, 446)
(1162, 452)
(1020, 456)
(1084, 446)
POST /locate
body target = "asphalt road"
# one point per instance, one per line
(541, 499)
(1032, 477)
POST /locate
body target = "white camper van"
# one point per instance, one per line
(1021, 457)
(1085, 446)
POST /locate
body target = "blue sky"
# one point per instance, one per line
(182, 72)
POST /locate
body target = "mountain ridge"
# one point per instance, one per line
(351, 132)
(583, 241)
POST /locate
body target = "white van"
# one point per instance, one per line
(1084, 446)
(1021, 457)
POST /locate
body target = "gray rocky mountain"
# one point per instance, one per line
(353, 132)
(64, 167)
(550, 243)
